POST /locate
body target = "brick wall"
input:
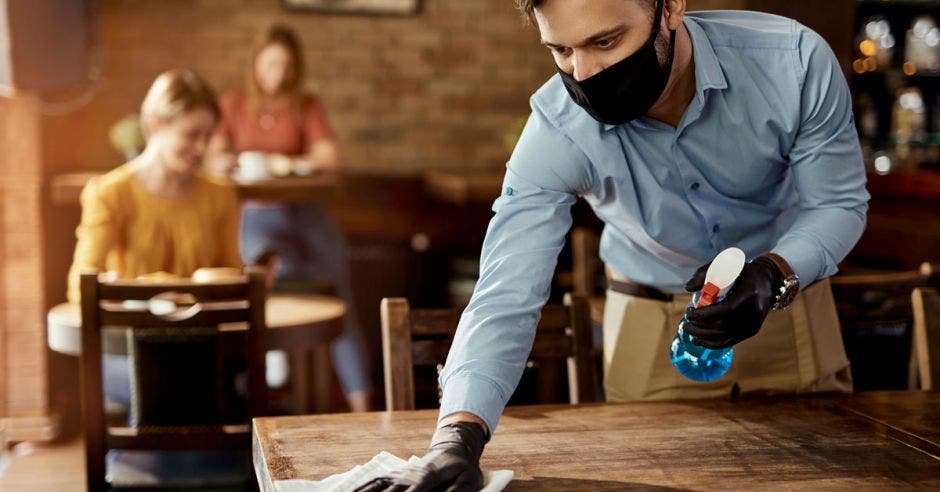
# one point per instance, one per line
(435, 90)
(404, 94)
(22, 312)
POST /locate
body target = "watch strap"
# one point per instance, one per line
(789, 283)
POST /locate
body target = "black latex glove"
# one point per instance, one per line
(741, 313)
(452, 463)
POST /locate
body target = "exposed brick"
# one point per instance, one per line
(365, 67)
(22, 277)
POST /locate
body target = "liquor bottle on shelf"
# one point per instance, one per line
(875, 45)
(908, 119)
(922, 46)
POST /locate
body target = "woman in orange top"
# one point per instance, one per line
(275, 116)
(158, 213)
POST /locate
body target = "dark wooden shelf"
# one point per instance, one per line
(915, 184)
(905, 3)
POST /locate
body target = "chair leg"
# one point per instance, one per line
(298, 380)
(322, 373)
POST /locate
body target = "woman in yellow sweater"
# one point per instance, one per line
(158, 212)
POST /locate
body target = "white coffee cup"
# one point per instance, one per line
(252, 166)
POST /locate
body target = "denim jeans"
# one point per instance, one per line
(310, 244)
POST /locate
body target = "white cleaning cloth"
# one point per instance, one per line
(380, 465)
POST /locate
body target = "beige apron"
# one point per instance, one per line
(797, 350)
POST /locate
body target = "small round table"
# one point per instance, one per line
(295, 322)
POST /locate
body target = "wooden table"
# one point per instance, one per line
(297, 323)
(66, 189)
(290, 188)
(805, 442)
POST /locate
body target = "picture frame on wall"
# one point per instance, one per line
(361, 7)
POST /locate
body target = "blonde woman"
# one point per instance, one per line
(158, 212)
(273, 115)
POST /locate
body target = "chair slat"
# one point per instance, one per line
(434, 321)
(925, 341)
(397, 354)
(554, 318)
(552, 346)
(235, 289)
(146, 319)
(179, 438)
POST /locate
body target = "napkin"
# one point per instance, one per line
(380, 465)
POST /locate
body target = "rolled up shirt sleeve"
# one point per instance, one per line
(827, 167)
(523, 240)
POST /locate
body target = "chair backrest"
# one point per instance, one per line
(925, 341)
(422, 337)
(877, 322)
(152, 315)
(586, 264)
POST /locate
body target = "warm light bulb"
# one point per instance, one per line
(859, 66)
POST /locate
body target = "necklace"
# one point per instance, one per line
(266, 120)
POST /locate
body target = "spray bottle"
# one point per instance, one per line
(700, 363)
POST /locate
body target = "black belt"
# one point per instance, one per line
(638, 290)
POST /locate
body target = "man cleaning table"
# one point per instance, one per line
(687, 133)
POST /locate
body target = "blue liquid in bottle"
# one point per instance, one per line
(695, 362)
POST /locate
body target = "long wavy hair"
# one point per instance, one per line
(285, 37)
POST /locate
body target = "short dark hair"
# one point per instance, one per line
(527, 7)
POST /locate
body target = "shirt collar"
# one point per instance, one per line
(708, 73)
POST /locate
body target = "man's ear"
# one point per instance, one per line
(674, 13)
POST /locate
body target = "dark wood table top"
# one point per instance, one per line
(913, 418)
(290, 188)
(805, 442)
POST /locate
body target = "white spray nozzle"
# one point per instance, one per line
(725, 269)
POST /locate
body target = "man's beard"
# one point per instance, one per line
(662, 46)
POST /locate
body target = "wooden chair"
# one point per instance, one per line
(925, 341)
(586, 262)
(587, 270)
(422, 337)
(217, 310)
(877, 320)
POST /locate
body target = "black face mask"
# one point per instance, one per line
(627, 89)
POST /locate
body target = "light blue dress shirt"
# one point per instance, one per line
(765, 158)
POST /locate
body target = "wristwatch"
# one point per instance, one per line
(790, 286)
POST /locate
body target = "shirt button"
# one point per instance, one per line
(716, 228)
(694, 186)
